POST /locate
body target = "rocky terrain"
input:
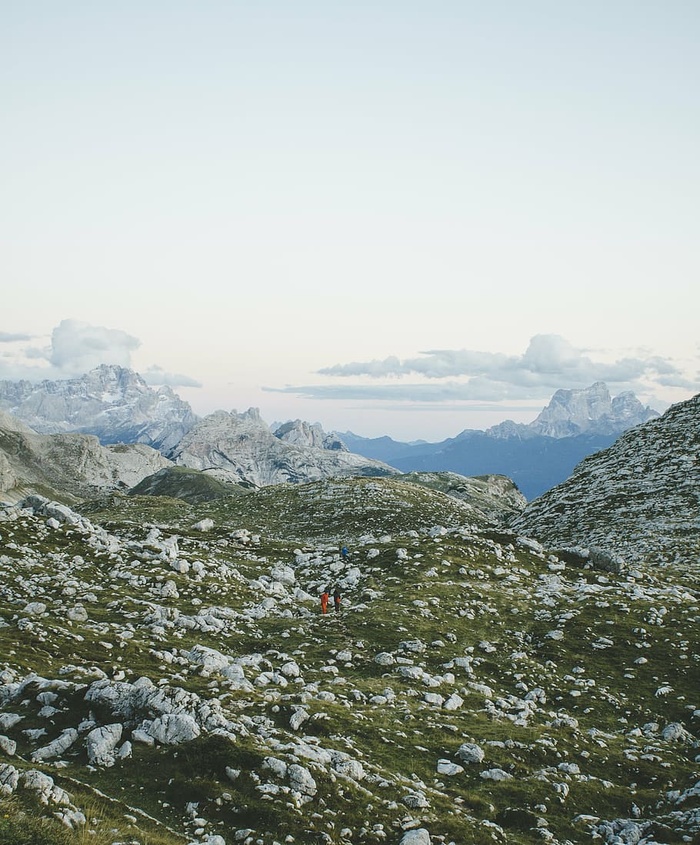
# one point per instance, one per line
(68, 466)
(241, 449)
(498, 671)
(167, 676)
(640, 498)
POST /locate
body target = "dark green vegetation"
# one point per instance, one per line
(577, 691)
(190, 485)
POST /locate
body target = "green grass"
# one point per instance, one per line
(472, 592)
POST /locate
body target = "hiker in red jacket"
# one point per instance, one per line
(325, 595)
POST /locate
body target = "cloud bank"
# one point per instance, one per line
(549, 363)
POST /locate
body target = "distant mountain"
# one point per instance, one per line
(68, 467)
(640, 498)
(241, 448)
(571, 413)
(537, 455)
(117, 406)
(111, 402)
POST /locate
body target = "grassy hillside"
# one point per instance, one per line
(472, 685)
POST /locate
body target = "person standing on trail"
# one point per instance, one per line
(325, 595)
(344, 552)
(336, 600)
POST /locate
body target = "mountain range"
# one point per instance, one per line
(116, 406)
(536, 455)
(111, 402)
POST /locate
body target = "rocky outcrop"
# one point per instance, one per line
(241, 448)
(638, 498)
(573, 412)
(300, 433)
(493, 495)
(68, 466)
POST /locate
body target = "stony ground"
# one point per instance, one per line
(167, 676)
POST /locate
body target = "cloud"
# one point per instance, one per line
(13, 337)
(475, 390)
(549, 363)
(78, 347)
(548, 360)
(73, 349)
(157, 376)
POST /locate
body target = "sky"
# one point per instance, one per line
(404, 218)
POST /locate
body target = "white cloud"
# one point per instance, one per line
(73, 349)
(13, 337)
(549, 363)
(158, 376)
(78, 347)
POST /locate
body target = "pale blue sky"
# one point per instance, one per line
(279, 201)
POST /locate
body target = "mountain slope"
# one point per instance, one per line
(68, 467)
(494, 495)
(241, 448)
(169, 677)
(639, 498)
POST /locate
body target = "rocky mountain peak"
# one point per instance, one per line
(309, 434)
(241, 448)
(591, 409)
(111, 402)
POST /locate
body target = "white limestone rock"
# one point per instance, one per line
(276, 766)
(9, 778)
(495, 774)
(7, 746)
(419, 836)
(416, 800)
(302, 781)
(210, 660)
(101, 744)
(57, 747)
(45, 788)
(298, 717)
(174, 728)
(447, 767)
(454, 702)
(204, 525)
